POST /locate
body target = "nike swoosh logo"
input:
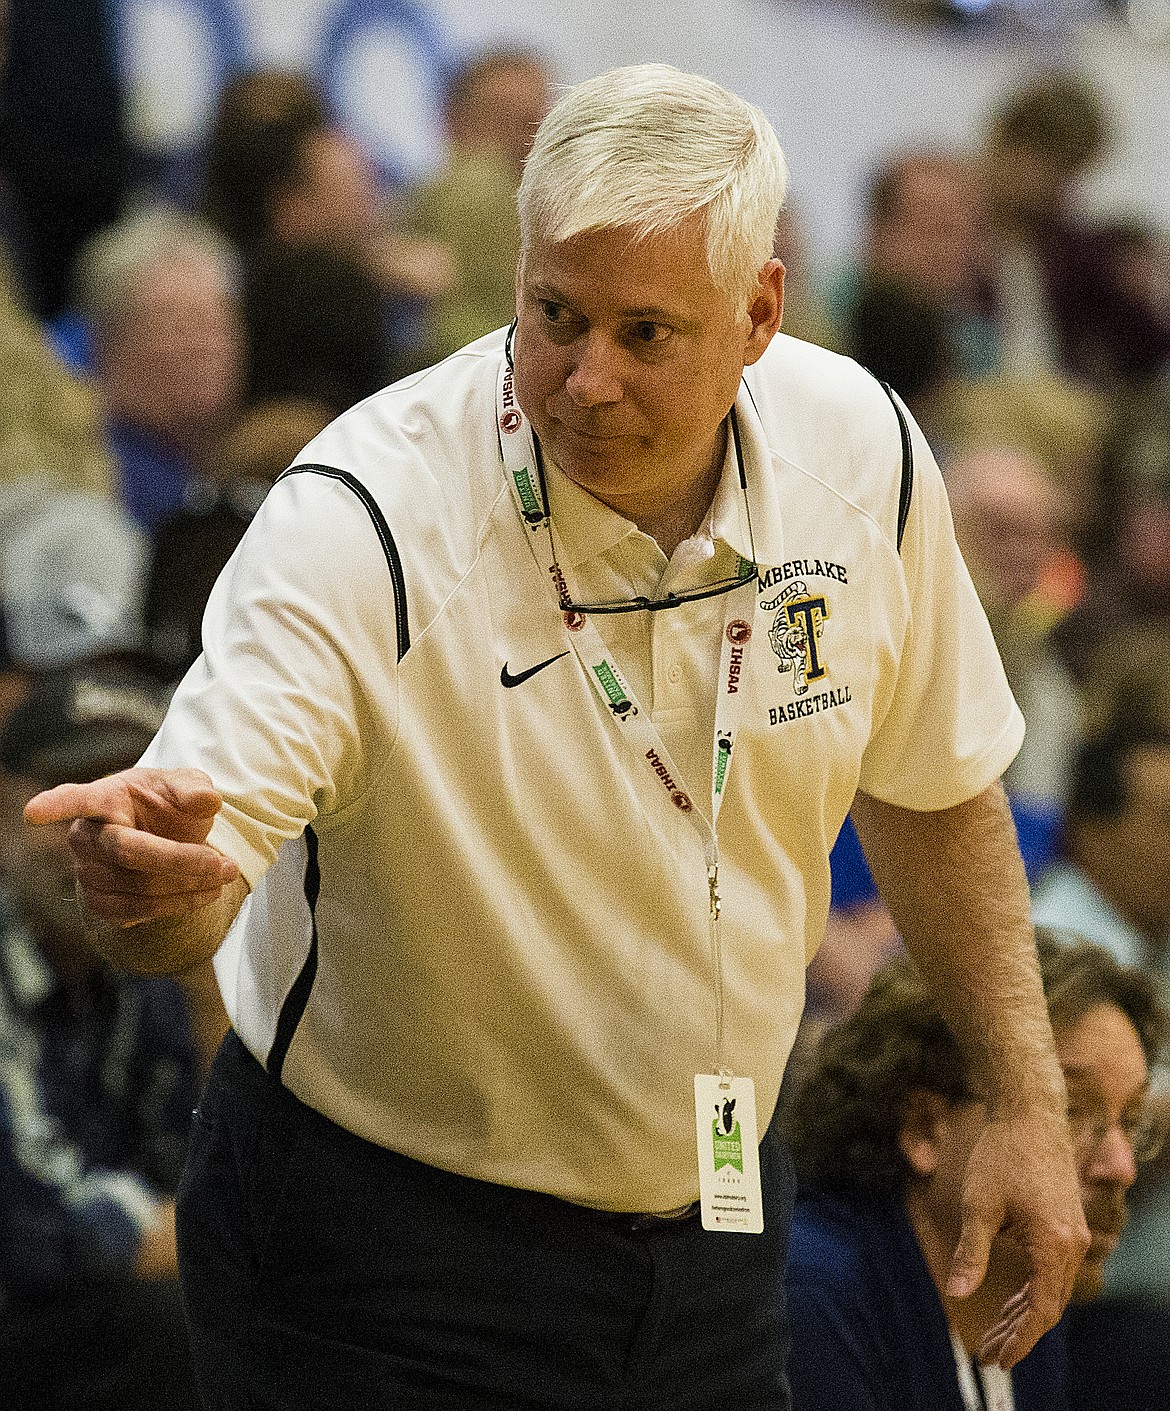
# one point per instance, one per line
(507, 679)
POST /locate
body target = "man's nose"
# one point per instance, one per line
(594, 373)
(1112, 1159)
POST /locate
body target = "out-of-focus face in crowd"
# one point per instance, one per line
(500, 107)
(334, 200)
(172, 360)
(1105, 1069)
(1123, 848)
(1009, 521)
(927, 228)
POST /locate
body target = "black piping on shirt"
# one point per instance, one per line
(297, 999)
(385, 537)
(906, 489)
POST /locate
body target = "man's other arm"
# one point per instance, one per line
(954, 882)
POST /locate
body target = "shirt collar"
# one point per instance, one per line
(585, 527)
(762, 500)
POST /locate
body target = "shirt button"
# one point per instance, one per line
(674, 674)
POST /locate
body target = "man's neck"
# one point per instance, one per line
(670, 528)
(671, 516)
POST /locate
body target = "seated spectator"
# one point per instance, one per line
(881, 1133)
(71, 574)
(316, 328)
(901, 337)
(159, 293)
(1112, 884)
(71, 579)
(1064, 424)
(1129, 542)
(71, 558)
(926, 235)
(191, 548)
(279, 170)
(98, 1075)
(1064, 297)
(492, 108)
(1127, 681)
(1113, 880)
(1010, 524)
(50, 422)
(281, 173)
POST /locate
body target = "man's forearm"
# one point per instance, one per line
(170, 944)
(955, 884)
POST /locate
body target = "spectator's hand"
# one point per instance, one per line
(139, 843)
(209, 1019)
(406, 264)
(1021, 1180)
(158, 1255)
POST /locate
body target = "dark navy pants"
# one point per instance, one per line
(321, 1272)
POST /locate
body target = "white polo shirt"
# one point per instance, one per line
(505, 918)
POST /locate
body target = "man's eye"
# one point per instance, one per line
(647, 332)
(1134, 1122)
(553, 312)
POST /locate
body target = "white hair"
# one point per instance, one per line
(113, 262)
(645, 147)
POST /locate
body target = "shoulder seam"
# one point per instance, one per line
(385, 538)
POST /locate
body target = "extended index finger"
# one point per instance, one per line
(66, 802)
(176, 803)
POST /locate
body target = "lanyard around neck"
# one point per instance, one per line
(518, 447)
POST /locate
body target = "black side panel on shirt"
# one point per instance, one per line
(907, 487)
(298, 997)
(382, 529)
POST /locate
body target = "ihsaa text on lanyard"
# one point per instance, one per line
(725, 1105)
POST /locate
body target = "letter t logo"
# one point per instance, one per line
(809, 614)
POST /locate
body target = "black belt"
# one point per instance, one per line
(635, 1221)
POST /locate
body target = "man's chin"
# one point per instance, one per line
(1090, 1277)
(571, 447)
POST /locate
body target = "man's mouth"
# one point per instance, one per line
(584, 434)
(1106, 1223)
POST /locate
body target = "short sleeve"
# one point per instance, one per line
(952, 726)
(296, 688)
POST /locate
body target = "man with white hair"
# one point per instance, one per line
(529, 707)
(158, 291)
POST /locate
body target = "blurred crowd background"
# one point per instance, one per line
(222, 224)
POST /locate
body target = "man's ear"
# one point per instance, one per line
(919, 1137)
(765, 311)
